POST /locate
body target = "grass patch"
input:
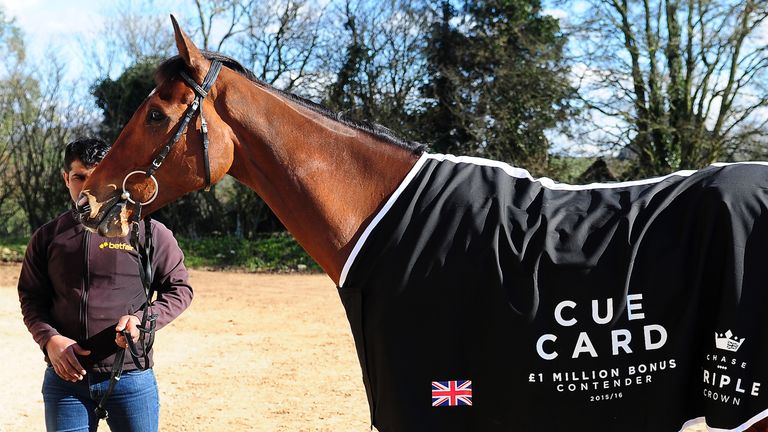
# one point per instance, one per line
(12, 249)
(277, 252)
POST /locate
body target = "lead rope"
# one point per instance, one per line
(147, 331)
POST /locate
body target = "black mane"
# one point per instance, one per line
(172, 66)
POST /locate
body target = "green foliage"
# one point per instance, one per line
(448, 131)
(119, 99)
(39, 127)
(229, 207)
(342, 93)
(498, 80)
(567, 169)
(12, 46)
(571, 170)
(38, 115)
(270, 252)
(380, 64)
(15, 223)
(276, 252)
(12, 249)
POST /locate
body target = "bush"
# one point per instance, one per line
(277, 252)
(12, 249)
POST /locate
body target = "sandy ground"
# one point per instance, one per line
(253, 353)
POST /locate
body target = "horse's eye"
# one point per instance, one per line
(155, 116)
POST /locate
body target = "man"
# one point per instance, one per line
(78, 291)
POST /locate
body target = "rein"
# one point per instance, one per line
(147, 331)
(146, 251)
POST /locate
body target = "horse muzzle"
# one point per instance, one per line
(109, 218)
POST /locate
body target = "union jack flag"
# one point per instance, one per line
(452, 393)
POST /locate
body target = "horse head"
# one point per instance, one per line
(324, 176)
(171, 128)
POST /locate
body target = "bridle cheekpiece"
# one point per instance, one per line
(201, 91)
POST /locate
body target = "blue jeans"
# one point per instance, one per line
(133, 406)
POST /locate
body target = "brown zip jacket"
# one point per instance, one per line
(78, 284)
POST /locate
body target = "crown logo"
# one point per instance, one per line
(728, 341)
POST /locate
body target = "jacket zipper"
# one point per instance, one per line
(86, 286)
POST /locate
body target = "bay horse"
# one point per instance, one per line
(479, 298)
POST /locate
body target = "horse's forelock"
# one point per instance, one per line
(171, 66)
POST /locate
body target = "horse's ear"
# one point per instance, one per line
(191, 55)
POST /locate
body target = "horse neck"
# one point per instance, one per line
(323, 179)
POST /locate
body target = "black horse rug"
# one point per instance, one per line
(481, 299)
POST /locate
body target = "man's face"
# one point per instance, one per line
(75, 178)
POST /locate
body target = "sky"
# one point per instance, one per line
(54, 24)
(50, 19)
(64, 26)
(69, 28)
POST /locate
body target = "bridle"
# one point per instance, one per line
(146, 251)
(201, 91)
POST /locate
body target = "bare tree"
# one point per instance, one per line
(12, 69)
(129, 37)
(229, 16)
(280, 41)
(681, 82)
(397, 41)
(284, 43)
(45, 117)
(382, 66)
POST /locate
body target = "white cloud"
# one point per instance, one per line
(53, 26)
(50, 18)
(556, 13)
(16, 7)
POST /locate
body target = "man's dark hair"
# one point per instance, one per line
(89, 151)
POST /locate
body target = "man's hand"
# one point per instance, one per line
(61, 351)
(130, 323)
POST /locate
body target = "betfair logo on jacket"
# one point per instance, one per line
(118, 246)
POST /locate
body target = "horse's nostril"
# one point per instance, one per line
(82, 205)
